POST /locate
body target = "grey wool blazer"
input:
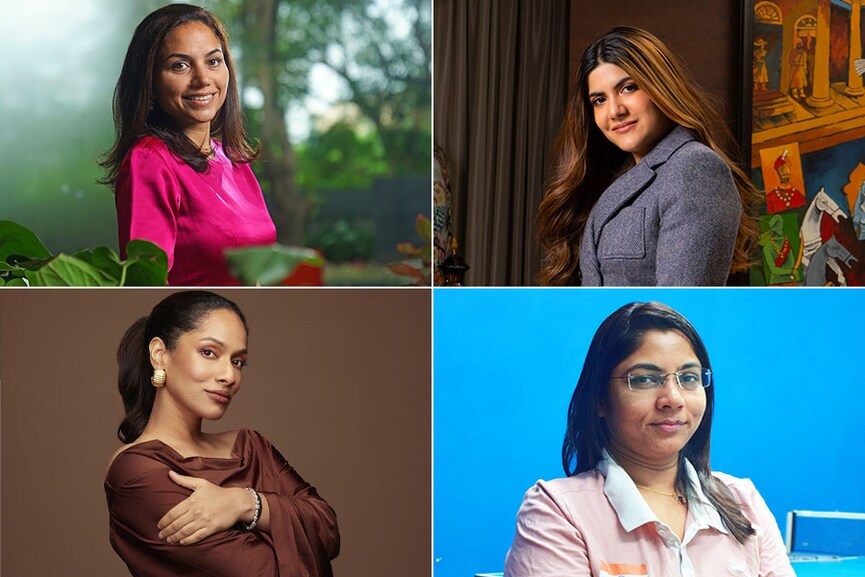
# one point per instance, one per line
(670, 220)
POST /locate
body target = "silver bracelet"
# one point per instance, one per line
(257, 514)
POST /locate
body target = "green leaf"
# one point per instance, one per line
(65, 270)
(19, 241)
(269, 265)
(146, 264)
(104, 259)
(17, 281)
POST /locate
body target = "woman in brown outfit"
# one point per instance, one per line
(187, 503)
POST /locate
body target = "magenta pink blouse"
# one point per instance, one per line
(194, 217)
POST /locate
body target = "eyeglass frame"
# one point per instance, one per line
(705, 380)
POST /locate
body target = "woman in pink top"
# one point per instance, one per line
(180, 161)
(640, 498)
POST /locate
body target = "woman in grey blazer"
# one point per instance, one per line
(643, 190)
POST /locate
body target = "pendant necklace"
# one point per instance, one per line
(680, 498)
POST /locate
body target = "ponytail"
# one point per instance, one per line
(174, 316)
(133, 381)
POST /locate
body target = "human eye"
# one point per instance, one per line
(215, 62)
(630, 87)
(209, 353)
(179, 66)
(690, 379)
(239, 363)
(597, 101)
(643, 381)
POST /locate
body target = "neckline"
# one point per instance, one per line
(235, 451)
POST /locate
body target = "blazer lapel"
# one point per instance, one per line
(618, 194)
(635, 180)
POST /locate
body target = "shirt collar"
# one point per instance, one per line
(632, 509)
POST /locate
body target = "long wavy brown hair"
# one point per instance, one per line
(585, 163)
(137, 114)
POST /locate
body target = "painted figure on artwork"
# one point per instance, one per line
(779, 258)
(828, 255)
(761, 73)
(859, 213)
(783, 180)
(784, 196)
(798, 70)
(822, 210)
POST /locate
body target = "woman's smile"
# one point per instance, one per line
(624, 113)
(655, 423)
(191, 81)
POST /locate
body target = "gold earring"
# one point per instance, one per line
(158, 378)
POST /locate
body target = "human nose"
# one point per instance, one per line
(200, 75)
(670, 395)
(616, 107)
(228, 374)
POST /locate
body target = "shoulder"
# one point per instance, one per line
(253, 435)
(746, 495)
(742, 488)
(134, 461)
(693, 160)
(565, 496)
(148, 148)
(252, 441)
(147, 154)
(699, 156)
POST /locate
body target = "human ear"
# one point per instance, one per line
(158, 352)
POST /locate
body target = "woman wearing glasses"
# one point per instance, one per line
(640, 498)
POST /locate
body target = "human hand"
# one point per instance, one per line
(210, 509)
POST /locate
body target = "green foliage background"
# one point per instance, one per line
(62, 61)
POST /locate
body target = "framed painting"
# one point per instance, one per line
(803, 138)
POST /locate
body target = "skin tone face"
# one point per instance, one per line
(204, 368)
(650, 427)
(624, 113)
(191, 79)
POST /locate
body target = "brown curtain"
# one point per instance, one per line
(500, 87)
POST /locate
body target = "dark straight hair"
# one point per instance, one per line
(587, 433)
(174, 316)
(137, 114)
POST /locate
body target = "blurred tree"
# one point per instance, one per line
(340, 158)
(388, 73)
(387, 77)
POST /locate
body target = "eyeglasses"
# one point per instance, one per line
(688, 379)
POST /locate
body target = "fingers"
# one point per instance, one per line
(172, 530)
(195, 537)
(192, 531)
(185, 481)
(174, 514)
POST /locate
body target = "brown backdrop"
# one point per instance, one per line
(706, 35)
(338, 379)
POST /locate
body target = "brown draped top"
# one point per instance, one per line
(303, 537)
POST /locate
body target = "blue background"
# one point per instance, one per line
(788, 372)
